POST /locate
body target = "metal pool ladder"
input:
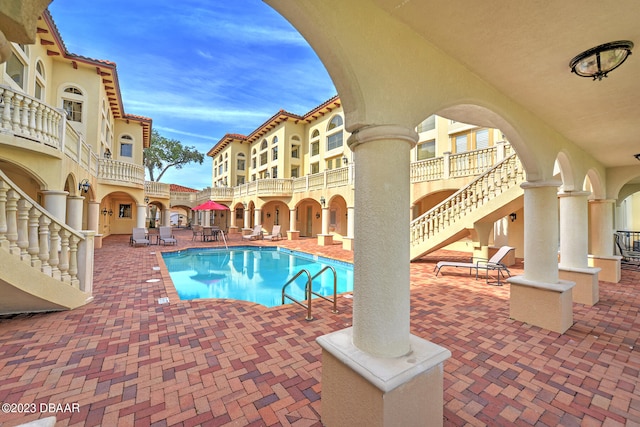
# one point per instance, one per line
(308, 291)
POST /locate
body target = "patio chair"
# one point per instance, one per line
(197, 231)
(139, 237)
(627, 256)
(275, 234)
(255, 235)
(210, 234)
(493, 264)
(166, 236)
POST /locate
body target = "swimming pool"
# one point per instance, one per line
(251, 273)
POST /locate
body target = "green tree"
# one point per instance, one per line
(165, 153)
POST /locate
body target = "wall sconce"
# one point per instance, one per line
(84, 186)
(637, 156)
(345, 160)
(104, 212)
(322, 201)
(277, 211)
(598, 61)
(317, 215)
(110, 212)
(512, 216)
(268, 215)
(146, 200)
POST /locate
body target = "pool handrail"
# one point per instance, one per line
(335, 287)
(307, 292)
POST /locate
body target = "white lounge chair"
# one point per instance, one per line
(275, 234)
(166, 236)
(255, 235)
(494, 264)
(139, 237)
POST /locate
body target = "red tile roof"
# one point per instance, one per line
(181, 189)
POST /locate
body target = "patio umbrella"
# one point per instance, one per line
(210, 205)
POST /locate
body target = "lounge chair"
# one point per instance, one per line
(493, 264)
(166, 236)
(255, 235)
(275, 234)
(139, 237)
(628, 257)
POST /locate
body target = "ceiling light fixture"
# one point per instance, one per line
(600, 60)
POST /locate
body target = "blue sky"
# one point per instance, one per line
(198, 68)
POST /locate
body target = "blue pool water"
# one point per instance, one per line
(251, 274)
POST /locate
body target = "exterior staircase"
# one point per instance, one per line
(44, 264)
(491, 196)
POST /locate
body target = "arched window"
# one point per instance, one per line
(274, 141)
(334, 140)
(15, 68)
(240, 161)
(72, 103)
(126, 146)
(40, 81)
(314, 145)
(264, 144)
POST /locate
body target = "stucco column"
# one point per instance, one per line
(257, 219)
(166, 217)
(292, 233)
(347, 241)
(574, 229)
(325, 220)
(141, 216)
(93, 216)
(232, 219)
(574, 250)
(247, 218)
(381, 271)
(541, 231)
(601, 230)
(74, 212)
(539, 297)
(207, 218)
(56, 203)
(376, 372)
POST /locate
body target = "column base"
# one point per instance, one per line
(609, 267)
(361, 389)
(247, 231)
(233, 230)
(347, 243)
(325, 239)
(547, 305)
(97, 241)
(586, 290)
(293, 235)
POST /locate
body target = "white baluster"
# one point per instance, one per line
(64, 256)
(34, 237)
(4, 243)
(17, 103)
(38, 116)
(23, 228)
(54, 257)
(24, 119)
(7, 100)
(73, 261)
(44, 245)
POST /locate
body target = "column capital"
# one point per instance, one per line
(603, 201)
(378, 132)
(540, 184)
(574, 193)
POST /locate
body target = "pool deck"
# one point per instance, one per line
(127, 360)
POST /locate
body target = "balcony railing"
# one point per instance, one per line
(157, 189)
(29, 118)
(120, 172)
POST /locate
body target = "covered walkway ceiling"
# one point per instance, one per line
(523, 48)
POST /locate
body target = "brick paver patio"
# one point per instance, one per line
(127, 360)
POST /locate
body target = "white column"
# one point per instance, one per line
(325, 220)
(141, 216)
(541, 231)
(93, 216)
(247, 217)
(351, 221)
(74, 212)
(574, 229)
(233, 218)
(166, 217)
(207, 218)
(257, 220)
(381, 271)
(56, 203)
(601, 227)
(292, 220)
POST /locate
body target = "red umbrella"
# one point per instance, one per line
(210, 205)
